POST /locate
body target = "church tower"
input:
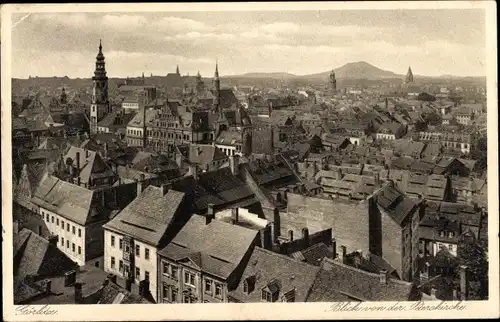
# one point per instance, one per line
(177, 71)
(200, 85)
(99, 107)
(409, 77)
(333, 82)
(216, 88)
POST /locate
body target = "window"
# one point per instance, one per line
(48, 218)
(67, 244)
(208, 286)
(146, 253)
(74, 230)
(112, 241)
(166, 270)
(73, 248)
(121, 243)
(62, 224)
(218, 290)
(137, 273)
(146, 275)
(79, 232)
(165, 291)
(57, 221)
(62, 241)
(174, 295)
(174, 273)
(137, 250)
(189, 278)
(52, 219)
(266, 296)
(79, 250)
(67, 227)
(112, 262)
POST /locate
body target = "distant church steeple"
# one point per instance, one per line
(409, 77)
(177, 71)
(333, 82)
(216, 87)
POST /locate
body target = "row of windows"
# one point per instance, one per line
(134, 132)
(53, 219)
(137, 248)
(73, 246)
(121, 269)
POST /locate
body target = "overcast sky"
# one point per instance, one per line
(432, 42)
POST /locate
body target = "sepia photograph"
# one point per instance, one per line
(265, 154)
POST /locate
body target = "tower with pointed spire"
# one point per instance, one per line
(409, 77)
(333, 82)
(200, 85)
(177, 71)
(216, 88)
(64, 97)
(99, 107)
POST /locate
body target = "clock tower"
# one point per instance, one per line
(99, 107)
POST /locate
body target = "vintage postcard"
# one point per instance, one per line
(249, 161)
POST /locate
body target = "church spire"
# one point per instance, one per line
(100, 46)
(409, 76)
(216, 87)
(177, 71)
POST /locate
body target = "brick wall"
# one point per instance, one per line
(392, 240)
(348, 221)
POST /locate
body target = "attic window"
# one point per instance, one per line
(267, 296)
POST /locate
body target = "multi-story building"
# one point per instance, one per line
(390, 131)
(458, 141)
(136, 128)
(193, 270)
(133, 237)
(75, 215)
(464, 116)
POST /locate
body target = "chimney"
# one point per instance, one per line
(69, 278)
(112, 278)
(344, 253)
(463, 282)
(144, 288)
(178, 159)
(433, 293)
(78, 180)
(78, 293)
(334, 248)
(210, 213)
(139, 188)
(234, 163)
(383, 276)
(193, 171)
(165, 188)
(48, 286)
(86, 151)
(377, 178)
(305, 236)
(234, 215)
(105, 149)
(53, 239)
(290, 235)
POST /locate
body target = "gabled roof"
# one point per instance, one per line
(91, 164)
(216, 248)
(148, 216)
(272, 270)
(204, 154)
(394, 202)
(73, 202)
(338, 282)
(34, 255)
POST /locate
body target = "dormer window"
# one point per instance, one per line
(451, 234)
(266, 296)
(249, 284)
(270, 291)
(441, 234)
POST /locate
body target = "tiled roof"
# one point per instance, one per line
(91, 164)
(148, 216)
(394, 202)
(205, 154)
(73, 202)
(138, 119)
(338, 282)
(219, 246)
(283, 272)
(114, 294)
(229, 138)
(34, 255)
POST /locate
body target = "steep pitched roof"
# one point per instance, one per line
(91, 164)
(338, 282)
(73, 202)
(276, 272)
(148, 216)
(394, 202)
(216, 248)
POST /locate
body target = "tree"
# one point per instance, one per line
(426, 97)
(474, 256)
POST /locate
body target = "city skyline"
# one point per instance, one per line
(298, 42)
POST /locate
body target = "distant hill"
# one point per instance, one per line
(357, 70)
